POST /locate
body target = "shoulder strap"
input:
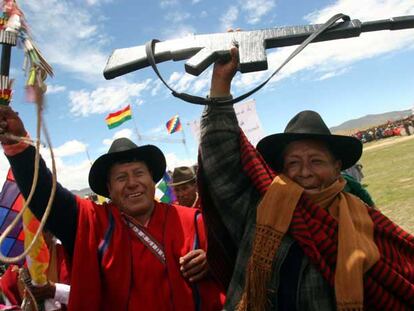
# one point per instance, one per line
(150, 45)
(196, 243)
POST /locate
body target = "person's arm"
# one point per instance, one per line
(62, 218)
(51, 291)
(230, 189)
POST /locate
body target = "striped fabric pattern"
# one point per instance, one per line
(38, 257)
(388, 285)
(115, 119)
(174, 125)
(11, 202)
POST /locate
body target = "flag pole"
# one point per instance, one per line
(87, 155)
(184, 140)
(185, 143)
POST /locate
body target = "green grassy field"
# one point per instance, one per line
(389, 177)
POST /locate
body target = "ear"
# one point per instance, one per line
(108, 186)
(338, 166)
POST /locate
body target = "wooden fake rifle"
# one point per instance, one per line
(203, 50)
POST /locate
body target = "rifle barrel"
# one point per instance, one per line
(394, 23)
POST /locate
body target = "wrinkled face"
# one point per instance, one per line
(186, 193)
(310, 164)
(132, 189)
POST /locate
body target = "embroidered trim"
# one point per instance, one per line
(146, 239)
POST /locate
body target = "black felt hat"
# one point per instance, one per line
(123, 149)
(309, 125)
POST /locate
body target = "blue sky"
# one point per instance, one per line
(342, 79)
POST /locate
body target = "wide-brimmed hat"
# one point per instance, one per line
(182, 175)
(309, 125)
(123, 149)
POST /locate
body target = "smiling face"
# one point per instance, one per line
(132, 189)
(310, 164)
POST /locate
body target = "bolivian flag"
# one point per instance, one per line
(117, 118)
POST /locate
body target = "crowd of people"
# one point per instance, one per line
(391, 128)
(276, 227)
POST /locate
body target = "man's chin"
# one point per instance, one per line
(137, 208)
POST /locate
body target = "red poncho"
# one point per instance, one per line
(113, 270)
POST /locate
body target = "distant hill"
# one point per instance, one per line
(370, 120)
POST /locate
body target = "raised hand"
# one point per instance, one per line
(223, 73)
(10, 123)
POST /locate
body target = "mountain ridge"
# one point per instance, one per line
(370, 120)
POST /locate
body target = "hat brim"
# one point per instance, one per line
(150, 154)
(345, 148)
(172, 184)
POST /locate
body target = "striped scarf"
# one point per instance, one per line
(387, 285)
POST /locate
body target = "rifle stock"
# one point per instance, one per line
(202, 50)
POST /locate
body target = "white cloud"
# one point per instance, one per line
(116, 94)
(363, 10)
(184, 82)
(70, 176)
(168, 3)
(201, 85)
(256, 9)
(203, 14)
(335, 56)
(157, 130)
(195, 1)
(97, 2)
(156, 88)
(74, 177)
(71, 37)
(179, 31)
(229, 17)
(54, 88)
(174, 161)
(69, 148)
(332, 74)
(177, 16)
(181, 81)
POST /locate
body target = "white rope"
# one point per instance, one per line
(13, 224)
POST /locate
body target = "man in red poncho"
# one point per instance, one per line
(184, 183)
(130, 254)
